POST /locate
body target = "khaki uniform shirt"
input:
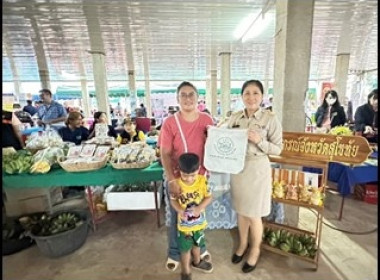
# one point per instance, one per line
(269, 127)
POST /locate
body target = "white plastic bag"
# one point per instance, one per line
(225, 150)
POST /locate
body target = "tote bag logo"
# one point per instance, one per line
(225, 146)
(225, 150)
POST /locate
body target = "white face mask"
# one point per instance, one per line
(330, 100)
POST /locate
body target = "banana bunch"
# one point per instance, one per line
(41, 166)
(301, 245)
(19, 162)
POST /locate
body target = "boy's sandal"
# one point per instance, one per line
(171, 265)
(206, 256)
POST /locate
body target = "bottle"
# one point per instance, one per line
(118, 138)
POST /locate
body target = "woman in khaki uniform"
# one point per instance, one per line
(251, 189)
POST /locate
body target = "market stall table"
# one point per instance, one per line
(104, 176)
(347, 176)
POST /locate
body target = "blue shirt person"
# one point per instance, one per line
(74, 131)
(51, 112)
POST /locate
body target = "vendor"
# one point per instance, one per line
(130, 133)
(330, 113)
(11, 134)
(74, 131)
(366, 118)
(101, 117)
(51, 112)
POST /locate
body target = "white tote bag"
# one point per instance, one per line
(225, 150)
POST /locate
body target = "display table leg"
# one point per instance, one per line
(341, 209)
(91, 206)
(156, 204)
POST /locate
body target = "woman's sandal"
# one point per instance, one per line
(171, 265)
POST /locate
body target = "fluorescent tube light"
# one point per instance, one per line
(260, 24)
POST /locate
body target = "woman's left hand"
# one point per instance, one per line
(254, 136)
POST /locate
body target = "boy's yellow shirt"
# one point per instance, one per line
(190, 196)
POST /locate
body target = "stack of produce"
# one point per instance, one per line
(46, 225)
(133, 154)
(136, 187)
(49, 138)
(298, 244)
(19, 162)
(341, 130)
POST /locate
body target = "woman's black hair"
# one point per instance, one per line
(374, 94)
(188, 163)
(253, 82)
(96, 119)
(335, 95)
(188, 84)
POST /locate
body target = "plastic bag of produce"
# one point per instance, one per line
(45, 159)
(48, 138)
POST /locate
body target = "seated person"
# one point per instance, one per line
(11, 135)
(101, 117)
(330, 114)
(153, 130)
(366, 118)
(74, 131)
(130, 134)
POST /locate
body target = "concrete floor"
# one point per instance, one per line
(129, 246)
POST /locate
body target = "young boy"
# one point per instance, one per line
(190, 206)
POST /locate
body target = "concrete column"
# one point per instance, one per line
(100, 80)
(16, 79)
(214, 82)
(132, 89)
(148, 104)
(214, 93)
(341, 73)
(225, 83)
(44, 78)
(147, 81)
(294, 22)
(208, 93)
(85, 99)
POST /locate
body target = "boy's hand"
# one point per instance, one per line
(196, 211)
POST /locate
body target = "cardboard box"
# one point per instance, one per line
(23, 193)
(132, 200)
(16, 204)
(366, 192)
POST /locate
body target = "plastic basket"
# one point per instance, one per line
(64, 243)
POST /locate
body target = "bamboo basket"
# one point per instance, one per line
(130, 165)
(81, 166)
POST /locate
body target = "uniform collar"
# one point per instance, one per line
(257, 115)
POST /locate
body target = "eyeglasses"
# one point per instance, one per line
(190, 95)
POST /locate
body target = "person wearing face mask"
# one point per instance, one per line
(330, 113)
(366, 118)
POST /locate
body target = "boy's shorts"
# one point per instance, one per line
(187, 240)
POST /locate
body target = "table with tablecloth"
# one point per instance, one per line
(348, 176)
(58, 177)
